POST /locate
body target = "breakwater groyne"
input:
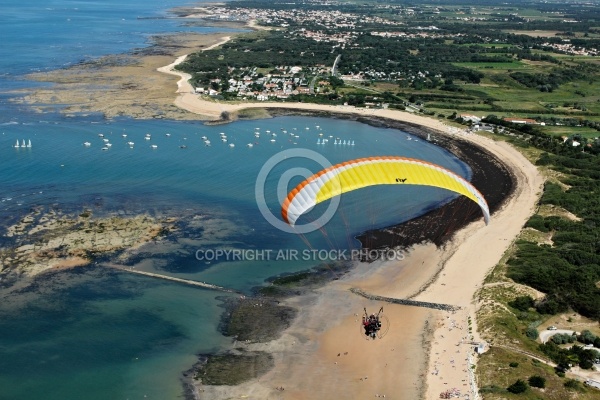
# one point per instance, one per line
(190, 282)
(405, 302)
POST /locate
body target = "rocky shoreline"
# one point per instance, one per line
(44, 241)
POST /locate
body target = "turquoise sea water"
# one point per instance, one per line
(95, 333)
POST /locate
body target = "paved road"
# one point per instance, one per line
(547, 334)
(335, 63)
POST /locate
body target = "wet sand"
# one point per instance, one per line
(122, 85)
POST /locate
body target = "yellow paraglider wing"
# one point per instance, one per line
(363, 172)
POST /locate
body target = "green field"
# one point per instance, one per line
(583, 131)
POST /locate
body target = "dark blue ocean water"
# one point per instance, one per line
(95, 333)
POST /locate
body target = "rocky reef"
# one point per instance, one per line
(43, 241)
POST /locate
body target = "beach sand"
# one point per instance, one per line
(450, 275)
(306, 355)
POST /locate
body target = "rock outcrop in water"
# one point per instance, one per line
(40, 242)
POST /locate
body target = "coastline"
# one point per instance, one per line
(472, 252)
(448, 274)
(451, 274)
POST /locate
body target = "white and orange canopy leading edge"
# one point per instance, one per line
(363, 172)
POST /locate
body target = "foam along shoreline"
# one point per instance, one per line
(450, 275)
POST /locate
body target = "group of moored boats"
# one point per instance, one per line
(23, 144)
(272, 137)
(337, 141)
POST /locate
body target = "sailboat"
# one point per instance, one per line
(29, 143)
(17, 145)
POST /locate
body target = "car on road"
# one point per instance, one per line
(552, 328)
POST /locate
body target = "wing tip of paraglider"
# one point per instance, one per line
(486, 215)
(284, 212)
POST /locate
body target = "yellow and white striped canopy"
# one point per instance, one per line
(363, 172)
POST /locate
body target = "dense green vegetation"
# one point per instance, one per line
(568, 270)
(565, 358)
